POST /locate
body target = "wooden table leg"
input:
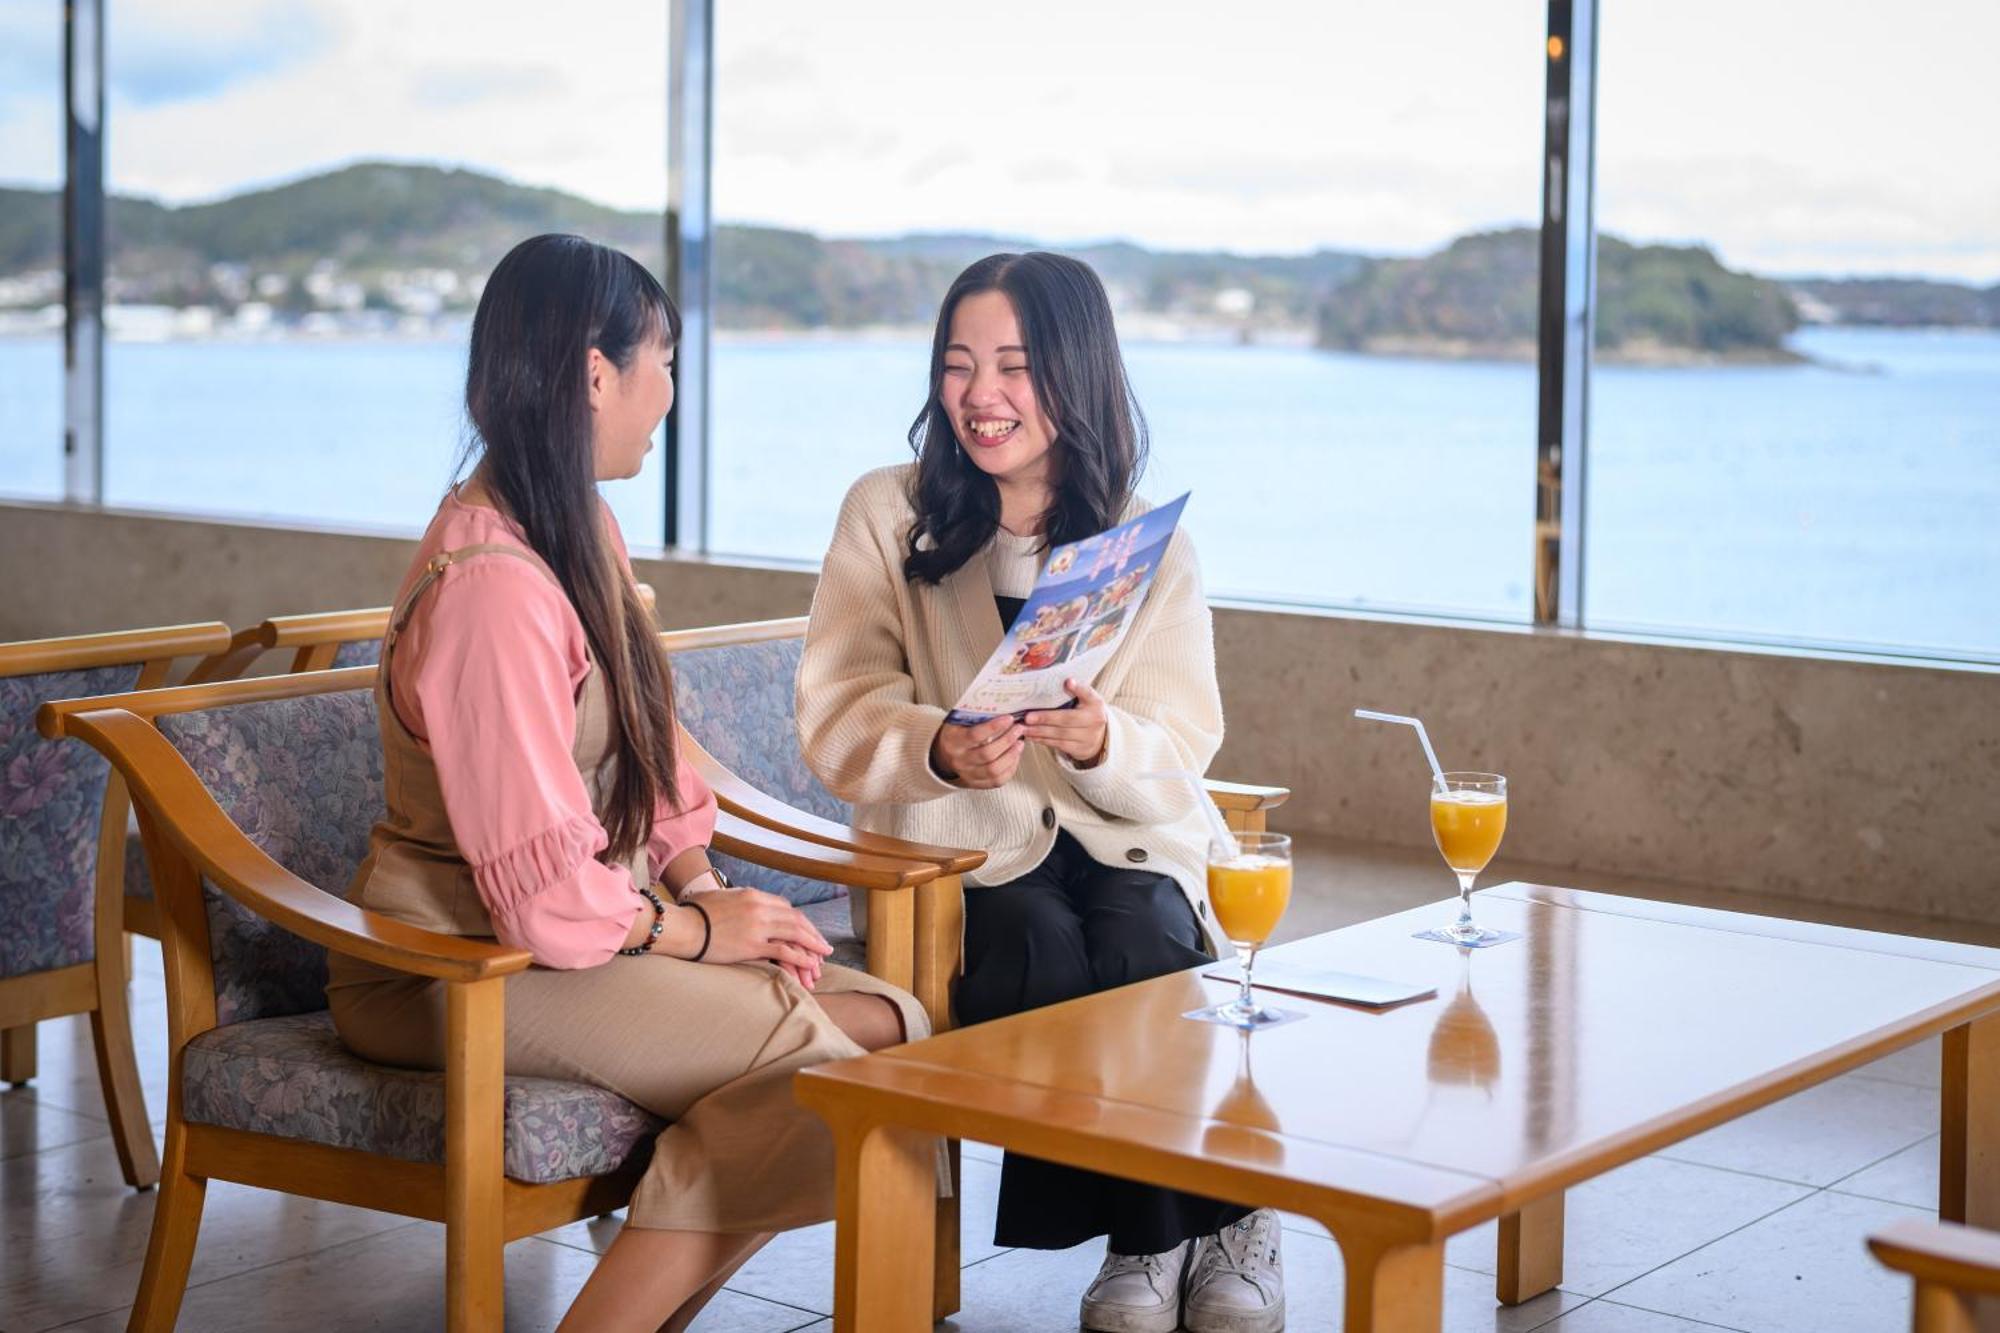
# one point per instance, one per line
(885, 1228)
(1392, 1288)
(1531, 1250)
(1969, 1147)
(945, 1257)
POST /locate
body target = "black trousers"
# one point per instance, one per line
(1071, 927)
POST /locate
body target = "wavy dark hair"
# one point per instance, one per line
(527, 392)
(1080, 382)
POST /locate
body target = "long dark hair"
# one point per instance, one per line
(527, 391)
(1079, 377)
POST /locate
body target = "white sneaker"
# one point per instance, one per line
(1137, 1293)
(1236, 1280)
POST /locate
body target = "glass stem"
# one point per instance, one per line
(1464, 901)
(1243, 1000)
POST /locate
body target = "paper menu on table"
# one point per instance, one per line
(1083, 602)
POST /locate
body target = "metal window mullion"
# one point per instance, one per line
(83, 251)
(1568, 310)
(690, 143)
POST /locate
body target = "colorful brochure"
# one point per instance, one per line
(1086, 597)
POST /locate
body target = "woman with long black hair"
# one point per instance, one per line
(1095, 877)
(535, 796)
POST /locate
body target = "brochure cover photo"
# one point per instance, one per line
(1084, 600)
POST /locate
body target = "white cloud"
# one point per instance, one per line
(1850, 139)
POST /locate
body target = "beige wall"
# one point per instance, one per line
(1849, 782)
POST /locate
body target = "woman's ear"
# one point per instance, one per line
(598, 372)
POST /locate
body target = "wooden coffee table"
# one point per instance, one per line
(1613, 1027)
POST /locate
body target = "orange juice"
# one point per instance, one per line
(1468, 825)
(1249, 894)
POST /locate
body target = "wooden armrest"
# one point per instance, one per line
(161, 779)
(80, 652)
(815, 860)
(739, 798)
(1962, 1258)
(51, 717)
(324, 627)
(1244, 795)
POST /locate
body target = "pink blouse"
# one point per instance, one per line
(485, 675)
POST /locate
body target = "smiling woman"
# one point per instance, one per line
(1031, 438)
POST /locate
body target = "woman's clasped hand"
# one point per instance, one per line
(750, 925)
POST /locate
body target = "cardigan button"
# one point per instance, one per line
(1048, 816)
(1136, 855)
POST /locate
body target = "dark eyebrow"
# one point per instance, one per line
(961, 347)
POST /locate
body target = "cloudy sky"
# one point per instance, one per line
(1835, 139)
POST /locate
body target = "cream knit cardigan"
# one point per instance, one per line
(886, 657)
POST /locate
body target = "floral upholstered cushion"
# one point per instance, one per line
(291, 1077)
(51, 807)
(362, 652)
(737, 701)
(303, 778)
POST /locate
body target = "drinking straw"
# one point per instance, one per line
(1218, 828)
(1437, 769)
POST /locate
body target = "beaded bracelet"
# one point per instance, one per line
(659, 924)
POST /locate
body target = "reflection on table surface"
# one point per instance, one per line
(1607, 1015)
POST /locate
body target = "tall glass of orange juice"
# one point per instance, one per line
(1468, 817)
(1249, 887)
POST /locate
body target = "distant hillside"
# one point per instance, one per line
(1479, 297)
(1896, 302)
(353, 238)
(386, 246)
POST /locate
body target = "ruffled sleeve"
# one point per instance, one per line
(490, 675)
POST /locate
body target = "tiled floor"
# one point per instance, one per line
(1755, 1226)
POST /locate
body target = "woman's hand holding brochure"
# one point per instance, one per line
(1080, 732)
(980, 756)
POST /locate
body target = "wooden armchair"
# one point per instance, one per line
(62, 855)
(255, 798)
(1953, 1267)
(733, 692)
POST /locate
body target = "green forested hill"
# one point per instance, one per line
(1478, 297)
(372, 220)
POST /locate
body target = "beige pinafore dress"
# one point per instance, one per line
(710, 1047)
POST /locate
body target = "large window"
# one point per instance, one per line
(288, 309)
(1795, 428)
(1317, 227)
(1310, 221)
(31, 171)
